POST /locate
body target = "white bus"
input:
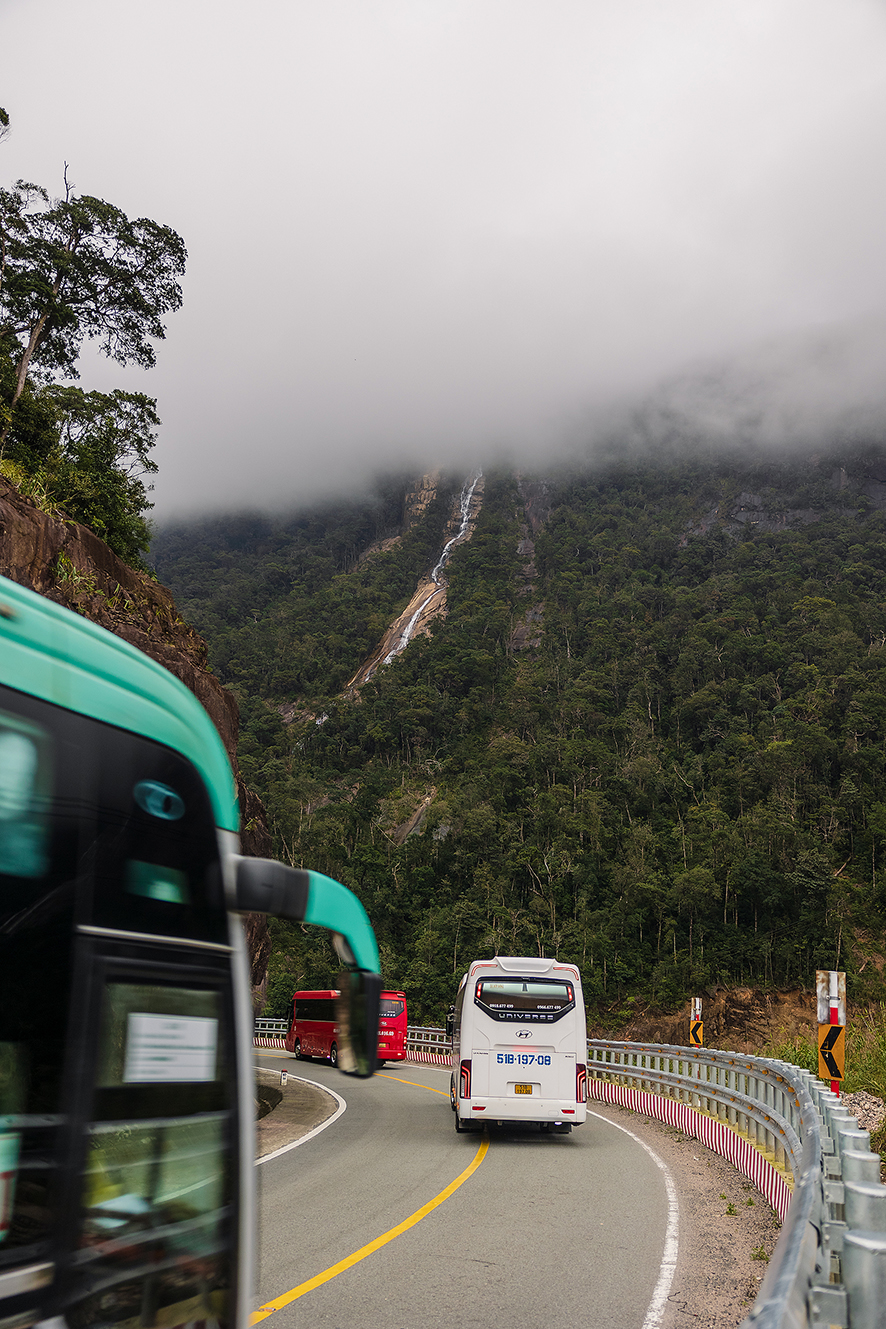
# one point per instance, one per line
(519, 1045)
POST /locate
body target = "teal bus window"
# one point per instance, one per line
(25, 791)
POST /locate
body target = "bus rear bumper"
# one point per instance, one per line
(523, 1109)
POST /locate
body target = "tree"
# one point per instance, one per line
(78, 268)
(95, 470)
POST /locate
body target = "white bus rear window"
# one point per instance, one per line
(524, 998)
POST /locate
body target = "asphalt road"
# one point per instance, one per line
(546, 1229)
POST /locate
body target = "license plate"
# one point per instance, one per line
(522, 1088)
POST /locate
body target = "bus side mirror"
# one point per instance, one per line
(357, 1018)
(263, 886)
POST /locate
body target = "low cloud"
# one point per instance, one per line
(437, 231)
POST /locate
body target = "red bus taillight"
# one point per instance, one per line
(464, 1080)
(581, 1084)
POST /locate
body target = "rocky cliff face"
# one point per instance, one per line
(70, 565)
(417, 500)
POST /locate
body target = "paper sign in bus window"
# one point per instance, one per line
(163, 1049)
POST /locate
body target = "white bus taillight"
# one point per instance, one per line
(581, 1084)
(464, 1080)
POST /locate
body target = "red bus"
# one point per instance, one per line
(313, 1031)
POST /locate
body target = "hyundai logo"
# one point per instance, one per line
(524, 1033)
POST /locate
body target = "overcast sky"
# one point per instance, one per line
(430, 230)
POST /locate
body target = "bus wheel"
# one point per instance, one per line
(458, 1126)
(297, 1049)
(333, 1055)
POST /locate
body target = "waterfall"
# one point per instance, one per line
(464, 504)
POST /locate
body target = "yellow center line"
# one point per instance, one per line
(348, 1263)
(381, 1075)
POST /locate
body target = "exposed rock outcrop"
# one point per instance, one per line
(417, 500)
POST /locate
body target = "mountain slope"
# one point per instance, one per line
(647, 736)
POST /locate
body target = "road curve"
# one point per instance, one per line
(546, 1228)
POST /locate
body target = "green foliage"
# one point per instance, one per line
(83, 455)
(78, 268)
(683, 784)
(74, 269)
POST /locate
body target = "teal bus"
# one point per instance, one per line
(127, 1095)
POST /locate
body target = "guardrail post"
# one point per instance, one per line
(864, 1277)
(852, 1137)
(859, 1166)
(865, 1205)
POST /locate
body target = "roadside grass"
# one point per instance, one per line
(865, 1067)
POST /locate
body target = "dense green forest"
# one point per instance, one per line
(678, 781)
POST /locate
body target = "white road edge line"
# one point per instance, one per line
(342, 1107)
(669, 1254)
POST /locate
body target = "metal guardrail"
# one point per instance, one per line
(828, 1268)
(271, 1027)
(430, 1040)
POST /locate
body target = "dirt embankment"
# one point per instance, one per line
(737, 1019)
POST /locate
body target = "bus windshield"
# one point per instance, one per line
(388, 1008)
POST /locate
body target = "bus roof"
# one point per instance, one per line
(54, 654)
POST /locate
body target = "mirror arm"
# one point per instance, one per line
(331, 905)
(263, 886)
